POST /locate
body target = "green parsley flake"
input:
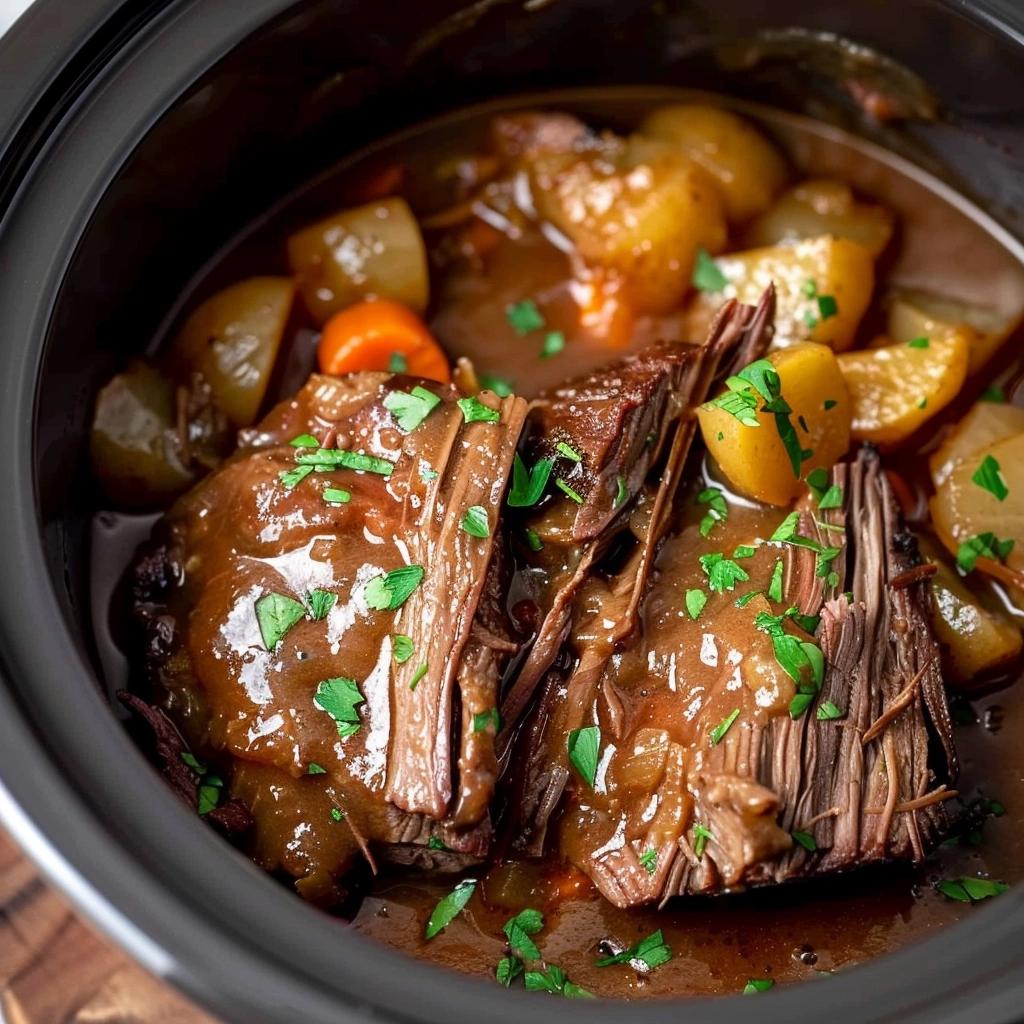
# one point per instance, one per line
(189, 759)
(832, 498)
(417, 676)
(315, 769)
(829, 403)
(827, 306)
(566, 489)
(755, 985)
(484, 720)
(509, 968)
(568, 451)
(621, 492)
(528, 485)
(449, 907)
(501, 386)
(744, 599)
(475, 522)
(554, 980)
(707, 275)
(718, 509)
(518, 931)
(919, 342)
(719, 731)
(554, 342)
(276, 615)
(397, 363)
(722, 573)
(695, 602)
(402, 648)
(649, 860)
(701, 835)
(474, 411)
(337, 814)
(806, 840)
(970, 890)
(524, 317)
(651, 951)
(340, 697)
(411, 408)
(433, 843)
(744, 551)
(320, 603)
(923, 403)
(584, 747)
(989, 477)
(336, 496)
(983, 544)
(208, 794)
(533, 541)
(427, 473)
(323, 460)
(775, 586)
(393, 589)
(828, 712)
(993, 393)
(291, 477)
(304, 441)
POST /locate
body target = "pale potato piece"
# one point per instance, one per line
(985, 424)
(822, 206)
(373, 250)
(914, 314)
(233, 338)
(749, 170)
(896, 388)
(830, 268)
(641, 211)
(754, 459)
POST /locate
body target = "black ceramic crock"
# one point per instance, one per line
(136, 137)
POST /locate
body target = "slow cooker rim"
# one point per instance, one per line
(38, 804)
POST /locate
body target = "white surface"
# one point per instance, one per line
(10, 9)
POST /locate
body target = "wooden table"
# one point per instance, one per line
(54, 969)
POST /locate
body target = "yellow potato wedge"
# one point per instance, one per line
(641, 211)
(896, 388)
(755, 460)
(985, 424)
(822, 286)
(914, 314)
(748, 169)
(822, 206)
(372, 250)
(233, 338)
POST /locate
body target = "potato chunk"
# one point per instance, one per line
(822, 287)
(896, 388)
(822, 206)
(748, 169)
(914, 314)
(755, 460)
(984, 425)
(372, 250)
(641, 211)
(232, 340)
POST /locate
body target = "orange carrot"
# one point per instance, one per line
(377, 334)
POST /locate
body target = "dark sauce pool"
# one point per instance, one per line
(787, 934)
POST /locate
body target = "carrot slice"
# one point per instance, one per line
(377, 334)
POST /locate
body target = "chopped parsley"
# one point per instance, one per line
(806, 840)
(524, 317)
(554, 342)
(989, 477)
(827, 711)
(483, 720)
(427, 473)
(823, 564)
(315, 769)
(190, 759)
(775, 586)
(584, 747)
(208, 793)
(528, 485)
(621, 492)
(449, 907)
(320, 603)
(554, 980)
(533, 541)
(923, 403)
(983, 544)
(832, 498)
(276, 615)
(701, 835)
(568, 451)
(718, 509)
(919, 342)
(304, 441)
(744, 551)
(970, 890)
(755, 985)
(993, 393)
(707, 275)
(340, 697)
(829, 403)
(501, 386)
(291, 477)
(323, 460)
(420, 672)
(509, 968)
(518, 931)
(337, 814)
(475, 522)
(566, 489)
(827, 306)
(473, 411)
(785, 533)
(649, 860)
(719, 731)
(337, 496)
(801, 660)
(433, 843)
(695, 602)
(397, 363)
(392, 590)
(651, 951)
(411, 408)
(402, 648)
(722, 573)
(744, 599)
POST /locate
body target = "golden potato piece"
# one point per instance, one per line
(985, 424)
(755, 460)
(822, 206)
(233, 338)
(372, 250)
(642, 212)
(748, 169)
(822, 287)
(914, 314)
(896, 388)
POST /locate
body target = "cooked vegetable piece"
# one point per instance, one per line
(638, 210)
(367, 335)
(896, 388)
(977, 639)
(747, 168)
(134, 442)
(822, 206)
(822, 288)
(233, 338)
(755, 460)
(985, 424)
(372, 250)
(914, 314)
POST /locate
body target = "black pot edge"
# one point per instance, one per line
(224, 963)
